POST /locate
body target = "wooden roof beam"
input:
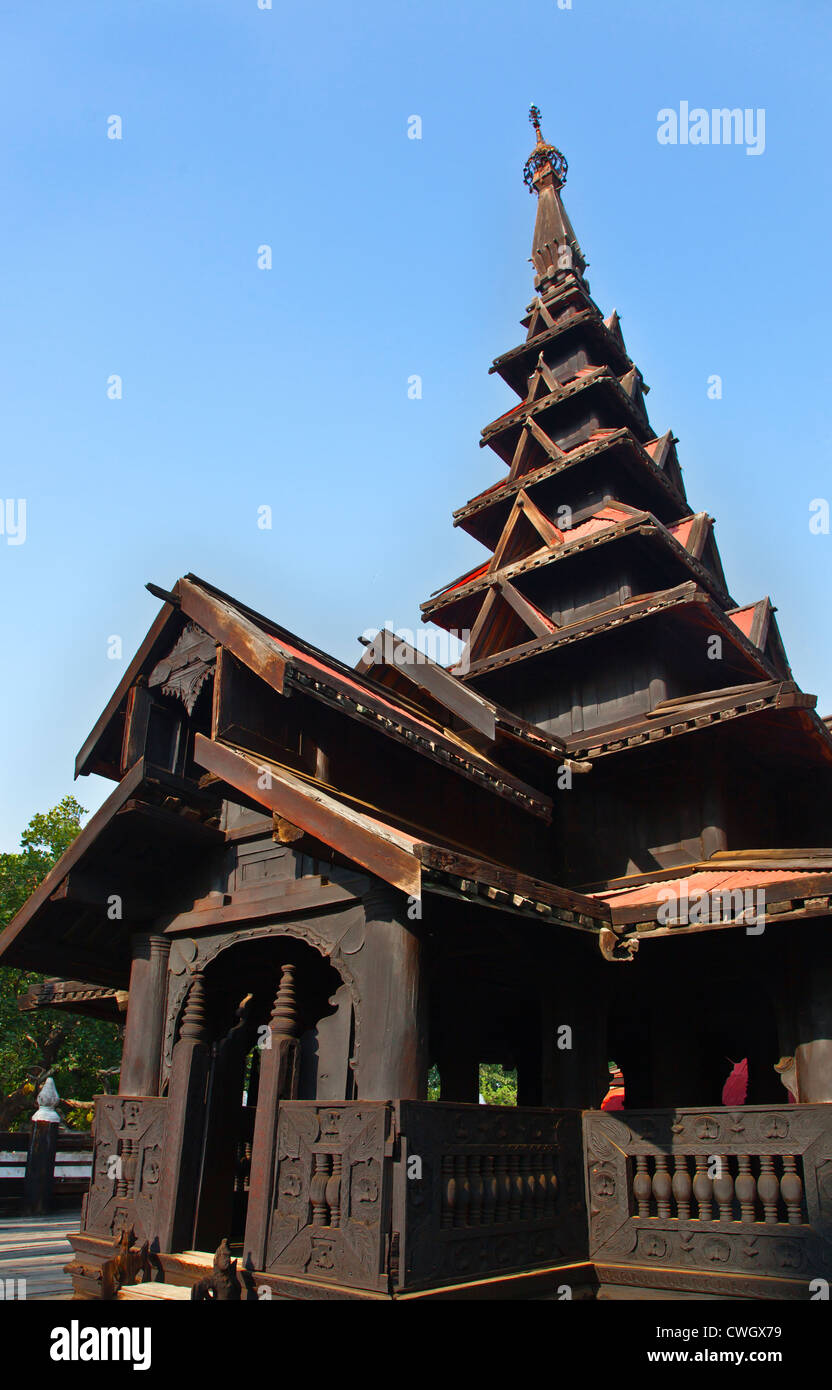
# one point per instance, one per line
(382, 851)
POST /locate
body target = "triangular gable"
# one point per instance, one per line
(633, 383)
(663, 453)
(526, 531)
(758, 623)
(752, 621)
(692, 532)
(613, 323)
(269, 652)
(533, 447)
(506, 619)
(541, 381)
(541, 320)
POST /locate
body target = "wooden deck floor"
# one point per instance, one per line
(35, 1248)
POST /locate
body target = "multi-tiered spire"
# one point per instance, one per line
(604, 597)
(556, 251)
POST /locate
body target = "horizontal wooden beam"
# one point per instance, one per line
(351, 834)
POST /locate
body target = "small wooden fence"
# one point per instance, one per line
(71, 1173)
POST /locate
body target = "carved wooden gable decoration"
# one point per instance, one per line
(188, 666)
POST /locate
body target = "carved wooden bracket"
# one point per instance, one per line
(187, 667)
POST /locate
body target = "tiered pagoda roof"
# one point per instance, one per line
(603, 614)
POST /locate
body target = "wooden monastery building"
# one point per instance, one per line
(598, 837)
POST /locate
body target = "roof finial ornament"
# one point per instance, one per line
(544, 159)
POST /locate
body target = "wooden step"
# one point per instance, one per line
(150, 1292)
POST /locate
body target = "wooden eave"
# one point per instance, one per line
(687, 599)
(516, 366)
(228, 624)
(442, 747)
(643, 524)
(499, 434)
(353, 694)
(75, 997)
(59, 924)
(478, 715)
(569, 289)
(501, 495)
(473, 880)
(285, 662)
(404, 860)
(671, 719)
(806, 895)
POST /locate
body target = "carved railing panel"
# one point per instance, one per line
(484, 1190)
(740, 1191)
(330, 1217)
(128, 1146)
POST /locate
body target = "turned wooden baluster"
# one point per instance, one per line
(475, 1190)
(333, 1191)
(551, 1184)
(662, 1186)
(317, 1189)
(724, 1190)
(501, 1169)
(769, 1189)
(489, 1190)
(515, 1197)
(703, 1188)
(527, 1178)
(746, 1189)
(791, 1189)
(462, 1191)
(123, 1168)
(642, 1186)
(541, 1187)
(448, 1191)
(682, 1186)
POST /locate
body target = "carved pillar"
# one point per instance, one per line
(144, 1030)
(190, 1067)
(393, 1061)
(279, 1079)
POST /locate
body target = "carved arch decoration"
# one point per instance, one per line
(208, 950)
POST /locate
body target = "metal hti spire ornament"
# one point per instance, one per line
(544, 158)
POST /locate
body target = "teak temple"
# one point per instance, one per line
(594, 838)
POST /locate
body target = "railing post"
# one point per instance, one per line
(40, 1160)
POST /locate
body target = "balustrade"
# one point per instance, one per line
(495, 1189)
(766, 1188)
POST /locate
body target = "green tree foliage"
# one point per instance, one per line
(497, 1087)
(80, 1053)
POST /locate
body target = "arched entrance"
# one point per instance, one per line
(241, 984)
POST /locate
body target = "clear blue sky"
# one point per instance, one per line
(244, 387)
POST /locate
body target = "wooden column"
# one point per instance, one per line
(813, 1051)
(190, 1067)
(144, 1030)
(573, 1073)
(279, 1078)
(393, 1061)
(459, 1074)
